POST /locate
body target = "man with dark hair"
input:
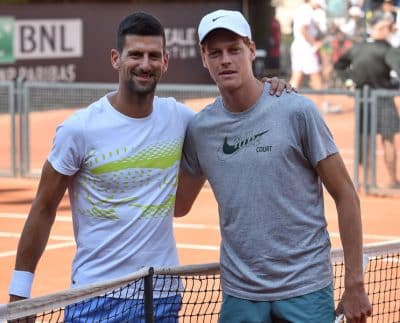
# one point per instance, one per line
(112, 156)
(139, 24)
(370, 63)
(119, 159)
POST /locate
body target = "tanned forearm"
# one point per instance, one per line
(348, 208)
(34, 238)
(41, 217)
(354, 301)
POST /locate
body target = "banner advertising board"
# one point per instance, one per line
(72, 42)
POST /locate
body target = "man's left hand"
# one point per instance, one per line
(355, 305)
(278, 85)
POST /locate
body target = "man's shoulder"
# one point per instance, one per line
(170, 103)
(80, 117)
(209, 114)
(293, 100)
(295, 105)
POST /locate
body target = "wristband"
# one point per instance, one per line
(21, 283)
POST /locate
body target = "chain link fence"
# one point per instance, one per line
(31, 111)
(8, 135)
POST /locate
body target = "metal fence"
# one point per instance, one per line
(56, 99)
(31, 107)
(7, 129)
(375, 145)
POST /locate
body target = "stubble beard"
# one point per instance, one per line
(136, 88)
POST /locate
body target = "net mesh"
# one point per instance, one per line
(193, 294)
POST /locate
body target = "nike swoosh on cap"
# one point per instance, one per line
(216, 18)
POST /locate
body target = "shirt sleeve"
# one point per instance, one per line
(186, 112)
(68, 151)
(190, 161)
(317, 139)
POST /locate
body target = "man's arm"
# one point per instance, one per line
(188, 188)
(333, 173)
(392, 58)
(35, 234)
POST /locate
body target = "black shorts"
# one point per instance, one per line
(388, 122)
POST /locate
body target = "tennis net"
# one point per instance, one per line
(193, 294)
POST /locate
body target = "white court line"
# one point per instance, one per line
(198, 226)
(66, 218)
(70, 240)
(48, 247)
(370, 236)
(203, 227)
(197, 246)
(52, 237)
(195, 226)
(23, 216)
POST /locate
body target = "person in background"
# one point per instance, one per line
(370, 63)
(274, 44)
(389, 6)
(353, 27)
(306, 44)
(266, 159)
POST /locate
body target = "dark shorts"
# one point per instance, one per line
(316, 307)
(388, 123)
(118, 310)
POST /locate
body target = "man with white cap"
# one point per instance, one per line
(266, 159)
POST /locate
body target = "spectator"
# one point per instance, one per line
(340, 44)
(389, 6)
(306, 44)
(274, 43)
(354, 25)
(370, 63)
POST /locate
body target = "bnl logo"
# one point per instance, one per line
(39, 39)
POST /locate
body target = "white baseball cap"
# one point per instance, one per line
(356, 11)
(226, 19)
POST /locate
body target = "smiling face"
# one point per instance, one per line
(228, 58)
(141, 63)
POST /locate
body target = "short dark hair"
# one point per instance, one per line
(139, 23)
(378, 16)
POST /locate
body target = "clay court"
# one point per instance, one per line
(197, 234)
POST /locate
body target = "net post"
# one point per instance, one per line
(148, 297)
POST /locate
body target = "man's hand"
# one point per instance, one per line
(27, 319)
(355, 305)
(278, 85)
(14, 298)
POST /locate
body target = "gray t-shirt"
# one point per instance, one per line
(261, 166)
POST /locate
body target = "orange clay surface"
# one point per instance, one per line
(197, 235)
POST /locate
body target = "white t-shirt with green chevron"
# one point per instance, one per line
(123, 190)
